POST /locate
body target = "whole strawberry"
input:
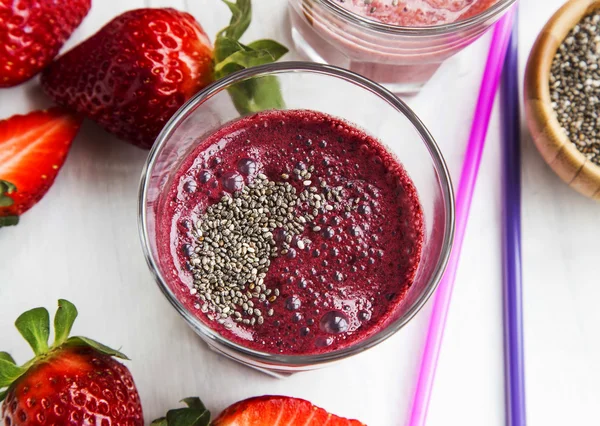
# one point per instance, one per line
(31, 34)
(133, 74)
(76, 381)
(136, 72)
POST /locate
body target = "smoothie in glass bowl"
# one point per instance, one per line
(399, 44)
(297, 232)
(297, 236)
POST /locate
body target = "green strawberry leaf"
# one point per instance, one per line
(258, 94)
(195, 414)
(241, 15)
(84, 341)
(34, 326)
(9, 221)
(6, 201)
(230, 56)
(277, 50)
(7, 357)
(9, 372)
(63, 321)
(194, 402)
(254, 57)
(6, 188)
(188, 417)
(267, 94)
(225, 47)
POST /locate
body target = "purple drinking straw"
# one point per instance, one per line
(441, 301)
(511, 238)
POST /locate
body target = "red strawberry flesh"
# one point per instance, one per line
(279, 411)
(31, 34)
(33, 148)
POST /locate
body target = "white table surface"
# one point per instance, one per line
(81, 243)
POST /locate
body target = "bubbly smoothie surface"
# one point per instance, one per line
(318, 241)
(417, 13)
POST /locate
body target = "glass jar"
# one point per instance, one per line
(336, 92)
(400, 58)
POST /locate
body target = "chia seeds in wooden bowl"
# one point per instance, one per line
(575, 86)
(562, 95)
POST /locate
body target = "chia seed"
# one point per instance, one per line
(237, 237)
(575, 86)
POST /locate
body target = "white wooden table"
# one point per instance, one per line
(81, 243)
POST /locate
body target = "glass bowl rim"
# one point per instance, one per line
(330, 71)
(429, 30)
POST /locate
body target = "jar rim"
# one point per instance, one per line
(430, 30)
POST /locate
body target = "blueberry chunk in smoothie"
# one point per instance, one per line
(302, 233)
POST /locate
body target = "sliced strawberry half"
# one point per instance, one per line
(33, 148)
(279, 410)
(258, 411)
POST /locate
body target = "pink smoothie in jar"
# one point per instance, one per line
(416, 13)
(317, 237)
(398, 43)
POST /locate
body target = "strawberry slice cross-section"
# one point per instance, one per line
(265, 410)
(33, 148)
(279, 411)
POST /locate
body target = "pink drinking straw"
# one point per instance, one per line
(441, 304)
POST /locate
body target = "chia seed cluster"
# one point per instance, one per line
(575, 86)
(238, 236)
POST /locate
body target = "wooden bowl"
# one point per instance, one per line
(557, 150)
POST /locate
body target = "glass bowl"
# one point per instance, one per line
(336, 92)
(401, 58)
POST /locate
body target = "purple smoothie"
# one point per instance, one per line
(355, 261)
